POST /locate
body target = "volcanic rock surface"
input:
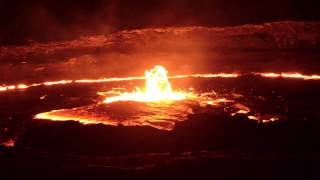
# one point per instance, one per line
(211, 140)
(278, 46)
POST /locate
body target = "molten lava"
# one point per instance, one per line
(290, 75)
(157, 104)
(286, 75)
(157, 88)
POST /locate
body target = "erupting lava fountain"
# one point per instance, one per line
(157, 88)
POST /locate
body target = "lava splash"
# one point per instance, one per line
(157, 88)
(157, 105)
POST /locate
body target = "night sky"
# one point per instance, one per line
(48, 20)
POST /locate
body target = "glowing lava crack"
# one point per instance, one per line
(156, 106)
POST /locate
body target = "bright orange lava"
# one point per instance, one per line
(157, 88)
(115, 79)
(156, 105)
(126, 108)
(290, 75)
(218, 75)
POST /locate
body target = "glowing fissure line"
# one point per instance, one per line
(289, 75)
(58, 82)
(218, 75)
(108, 79)
(157, 90)
(115, 79)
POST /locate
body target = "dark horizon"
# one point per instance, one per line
(50, 20)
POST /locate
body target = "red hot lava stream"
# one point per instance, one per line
(287, 75)
(157, 105)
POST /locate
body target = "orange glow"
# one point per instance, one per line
(3, 88)
(156, 105)
(264, 118)
(101, 80)
(241, 111)
(269, 74)
(49, 83)
(217, 75)
(290, 75)
(157, 88)
(160, 116)
(11, 87)
(22, 86)
(107, 80)
(222, 75)
(8, 143)
(58, 116)
(218, 101)
(300, 76)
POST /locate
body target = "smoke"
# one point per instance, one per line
(131, 52)
(69, 23)
(47, 20)
(51, 20)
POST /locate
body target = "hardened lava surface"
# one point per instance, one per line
(264, 119)
(269, 47)
(214, 135)
(256, 102)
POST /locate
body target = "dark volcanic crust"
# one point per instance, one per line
(277, 46)
(287, 35)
